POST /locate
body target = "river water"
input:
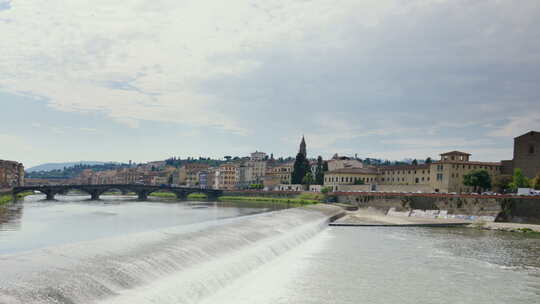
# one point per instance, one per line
(121, 251)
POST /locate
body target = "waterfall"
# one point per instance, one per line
(173, 265)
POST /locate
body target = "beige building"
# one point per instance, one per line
(405, 175)
(227, 176)
(350, 176)
(189, 173)
(343, 163)
(445, 175)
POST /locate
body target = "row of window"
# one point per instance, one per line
(476, 167)
(417, 180)
(404, 172)
(335, 179)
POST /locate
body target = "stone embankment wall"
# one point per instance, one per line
(258, 193)
(503, 208)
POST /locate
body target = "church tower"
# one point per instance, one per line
(303, 147)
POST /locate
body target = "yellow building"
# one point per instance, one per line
(447, 174)
(405, 175)
(350, 176)
(227, 176)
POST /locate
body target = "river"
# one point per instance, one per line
(121, 251)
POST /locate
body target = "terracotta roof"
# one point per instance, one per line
(406, 167)
(469, 163)
(456, 152)
(354, 171)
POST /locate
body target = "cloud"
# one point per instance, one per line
(518, 125)
(348, 75)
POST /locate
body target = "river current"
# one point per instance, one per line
(121, 251)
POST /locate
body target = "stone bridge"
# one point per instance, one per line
(95, 191)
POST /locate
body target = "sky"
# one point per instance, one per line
(145, 80)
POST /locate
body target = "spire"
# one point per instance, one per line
(303, 146)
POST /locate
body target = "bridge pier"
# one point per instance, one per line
(50, 196)
(95, 195)
(143, 195)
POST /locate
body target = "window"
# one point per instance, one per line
(439, 176)
(531, 149)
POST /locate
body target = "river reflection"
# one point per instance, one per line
(36, 223)
(10, 216)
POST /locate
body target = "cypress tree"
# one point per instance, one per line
(301, 167)
(319, 172)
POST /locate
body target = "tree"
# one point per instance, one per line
(429, 160)
(300, 169)
(228, 158)
(319, 172)
(479, 179)
(325, 190)
(535, 183)
(415, 162)
(501, 183)
(308, 179)
(359, 182)
(519, 180)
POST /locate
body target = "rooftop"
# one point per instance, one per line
(455, 152)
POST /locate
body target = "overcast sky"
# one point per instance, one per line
(145, 80)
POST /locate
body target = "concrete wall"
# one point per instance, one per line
(405, 188)
(505, 209)
(279, 194)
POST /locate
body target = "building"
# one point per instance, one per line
(445, 175)
(350, 176)
(526, 155)
(343, 162)
(278, 175)
(189, 173)
(11, 174)
(258, 156)
(405, 175)
(227, 176)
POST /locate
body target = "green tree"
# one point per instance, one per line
(429, 160)
(300, 169)
(325, 190)
(359, 182)
(319, 172)
(478, 179)
(535, 183)
(501, 183)
(519, 180)
(308, 179)
(415, 162)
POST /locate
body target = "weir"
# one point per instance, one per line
(173, 265)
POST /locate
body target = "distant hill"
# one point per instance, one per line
(60, 166)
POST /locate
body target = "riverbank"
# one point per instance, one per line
(8, 198)
(373, 217)
(289, 202)
(508, 227)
